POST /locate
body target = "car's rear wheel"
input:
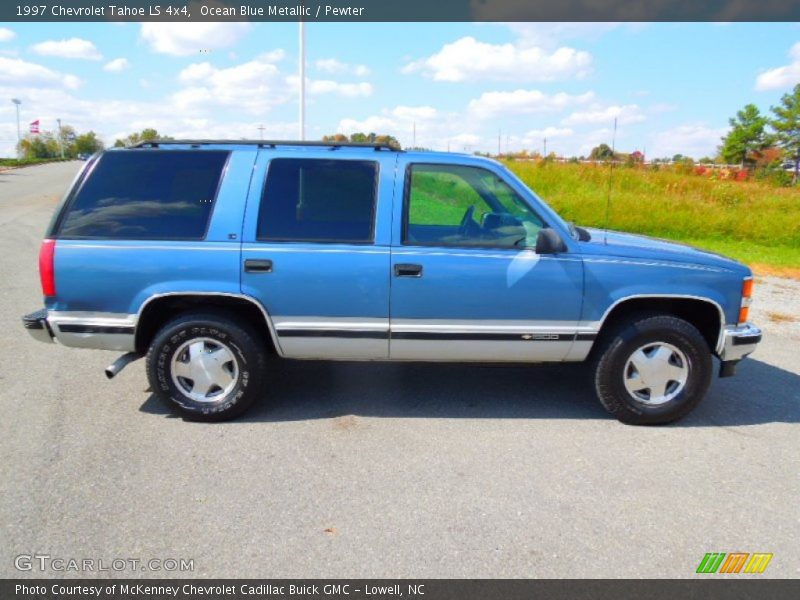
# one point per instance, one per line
(206, 366)
(652, 370)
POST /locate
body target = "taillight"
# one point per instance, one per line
(747, 299)
(47, 272)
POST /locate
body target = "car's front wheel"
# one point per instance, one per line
(652, 370)
(206, 366)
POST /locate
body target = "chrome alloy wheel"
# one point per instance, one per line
(204, 369)
(656, 373)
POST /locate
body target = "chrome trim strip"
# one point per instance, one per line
(720, 338)
(250, 299)
(322, 323)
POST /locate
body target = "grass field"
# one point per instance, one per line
(753, 222)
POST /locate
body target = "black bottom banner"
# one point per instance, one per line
(382, 589)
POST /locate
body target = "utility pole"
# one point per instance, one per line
(302, 81)
(60, 140)
(261, 131)
(17, 102)
(545, 148)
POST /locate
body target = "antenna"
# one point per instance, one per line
(610, 179)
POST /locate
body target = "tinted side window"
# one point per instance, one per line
(317, 200)
(146, 194)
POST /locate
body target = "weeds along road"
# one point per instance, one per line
(380, 470)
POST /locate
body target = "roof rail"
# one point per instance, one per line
(265, 144)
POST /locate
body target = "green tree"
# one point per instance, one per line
(42, 145)
(786, 124)
(145, 135)
(87, 143)
(363, 138)
(601, 152)
(747, 135)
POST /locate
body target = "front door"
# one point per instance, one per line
(314, 252)
(467, 284)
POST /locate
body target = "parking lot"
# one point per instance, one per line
(383, 470)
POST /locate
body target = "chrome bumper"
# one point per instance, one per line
(739, 341)
(36, 324)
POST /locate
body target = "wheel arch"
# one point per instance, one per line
(704, 313)
(158, 309)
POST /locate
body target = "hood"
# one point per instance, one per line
(628, 245)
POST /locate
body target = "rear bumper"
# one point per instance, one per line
(739, 341)
(100, 331)
(37, 326)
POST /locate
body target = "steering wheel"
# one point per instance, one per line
(466, 220)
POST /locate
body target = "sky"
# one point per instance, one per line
(671, 86)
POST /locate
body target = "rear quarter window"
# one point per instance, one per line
(146, 194)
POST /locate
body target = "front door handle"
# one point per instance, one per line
(258, 265)
(407, 270)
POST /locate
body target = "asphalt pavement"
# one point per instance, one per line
(382, 470)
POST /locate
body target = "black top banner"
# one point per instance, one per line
(400, 10)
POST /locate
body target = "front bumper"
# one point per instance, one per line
(739, 341)
(36, 324)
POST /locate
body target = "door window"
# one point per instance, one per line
(454, 205)
(318, 200)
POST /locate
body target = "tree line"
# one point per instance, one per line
(753, 134)
(55, 144)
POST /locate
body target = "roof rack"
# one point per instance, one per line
(265, 144)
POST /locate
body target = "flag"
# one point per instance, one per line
(35, 126)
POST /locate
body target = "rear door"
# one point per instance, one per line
(315, 249)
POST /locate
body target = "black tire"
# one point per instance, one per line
(219, 330)
(644, 331)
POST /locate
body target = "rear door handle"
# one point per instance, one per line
(258, 265)
(407, 270)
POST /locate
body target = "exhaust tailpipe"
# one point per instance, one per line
(123, 361)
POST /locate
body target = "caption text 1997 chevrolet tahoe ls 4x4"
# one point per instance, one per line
(208, 256)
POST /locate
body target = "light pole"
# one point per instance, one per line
(60, 139)
(302, 41)
(17, 101)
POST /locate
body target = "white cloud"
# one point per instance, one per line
(118, 64)
(253, 86)
(549, 34)
(625, 114)
(349, 90)
(6, 35)
(549, 132)
(518, 102)
(781, 77)
(326, 86)
(71, 48)
(468, 59)
(185, 39)
(15, 72)
(332, 65)
(691, 139)
(434, 128)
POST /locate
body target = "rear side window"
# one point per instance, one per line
(146, 195)
(317, 200)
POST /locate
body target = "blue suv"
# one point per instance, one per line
(208, 257)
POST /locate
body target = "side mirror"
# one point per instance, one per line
(549, 242)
